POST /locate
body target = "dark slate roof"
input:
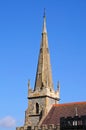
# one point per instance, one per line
(64, 110)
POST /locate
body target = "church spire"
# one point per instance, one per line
(44, 75)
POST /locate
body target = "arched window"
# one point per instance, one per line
(29, 128)
(37, 108)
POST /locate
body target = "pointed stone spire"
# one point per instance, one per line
(44, 75)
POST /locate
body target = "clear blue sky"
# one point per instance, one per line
(20, 35)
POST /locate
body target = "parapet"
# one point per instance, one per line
(43, 127)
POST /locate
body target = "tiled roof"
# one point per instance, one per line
(64, 110)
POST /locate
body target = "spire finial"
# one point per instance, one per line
(44, 23)
(44, 12)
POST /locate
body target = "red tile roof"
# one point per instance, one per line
(64, 110)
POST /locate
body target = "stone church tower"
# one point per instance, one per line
(43, 96)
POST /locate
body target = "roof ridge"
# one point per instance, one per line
(70, 103)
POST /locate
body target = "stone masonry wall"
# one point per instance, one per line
(33, 118)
